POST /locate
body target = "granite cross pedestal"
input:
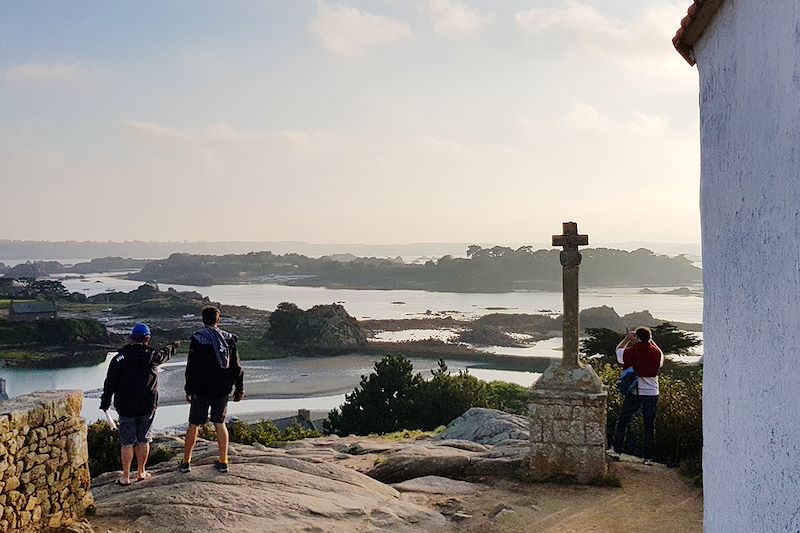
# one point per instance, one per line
(568, 402)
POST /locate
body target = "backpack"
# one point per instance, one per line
(627, 382)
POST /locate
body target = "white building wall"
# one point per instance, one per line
(749, 64)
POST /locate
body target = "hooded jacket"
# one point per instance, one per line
(213, 367)
(132, 379)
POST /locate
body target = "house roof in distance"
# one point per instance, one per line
(24, 308)
(697, 19)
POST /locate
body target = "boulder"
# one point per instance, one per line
(488, 426)
(424, 459)
(481, 442)
(437, 485)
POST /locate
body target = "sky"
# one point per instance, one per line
(372, 121)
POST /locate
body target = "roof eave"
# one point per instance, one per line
(697, 19)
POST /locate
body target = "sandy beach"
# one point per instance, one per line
(292, 377)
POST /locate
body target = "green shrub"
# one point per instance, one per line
(444, 398)
(692, 468)
(103, 443)
(263, 432)
(508, 397)
(160, 453)
(393, 398)
(383, 402)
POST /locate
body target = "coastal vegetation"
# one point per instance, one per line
(394, 398)
(601, 343)
(103, 445)
(264, 433)
(679, 419)
(496, 269)
(103, 442)
(54, 342)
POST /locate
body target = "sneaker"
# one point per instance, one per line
(612, 453)
(648, 462)
(185, 468)
(221, 467)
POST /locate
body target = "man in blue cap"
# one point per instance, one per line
(132, 380)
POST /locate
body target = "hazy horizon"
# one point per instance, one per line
(20, 251)
(347, 121)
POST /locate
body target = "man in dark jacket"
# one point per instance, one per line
(213, 370)
(132, 380)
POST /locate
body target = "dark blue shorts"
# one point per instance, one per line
(201, 405)
(135, 430)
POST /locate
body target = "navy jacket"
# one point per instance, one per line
(204, 377)
(132, 379)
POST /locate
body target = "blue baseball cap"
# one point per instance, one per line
(140, 330)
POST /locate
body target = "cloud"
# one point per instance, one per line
(452, 18)
(153, 130)
(46, 75)
(643, 42)
(584, 117)
(221, 135)
(449, 147)
(645, 125)
(350, 32)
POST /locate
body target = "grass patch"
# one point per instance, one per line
(71, 307)
(413, 434)
(160, 453)
(255, 348)
(5, 303)
(22, 355)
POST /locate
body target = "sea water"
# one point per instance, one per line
(343, 373)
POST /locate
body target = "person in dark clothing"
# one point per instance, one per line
(213, 370)
(132, 380)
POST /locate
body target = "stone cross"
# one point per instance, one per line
(570, 262)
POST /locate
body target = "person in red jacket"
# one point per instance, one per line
(646, 359)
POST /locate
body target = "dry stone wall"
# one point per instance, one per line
(44, 461)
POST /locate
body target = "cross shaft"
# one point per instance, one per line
(570, 257)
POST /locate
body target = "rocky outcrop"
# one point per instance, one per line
(331, 327)
(484, 335)
(601, 317)
(480, 442)
(298, 489)
(327, 329)
(318, 484)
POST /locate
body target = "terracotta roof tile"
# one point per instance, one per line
(697, 18)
